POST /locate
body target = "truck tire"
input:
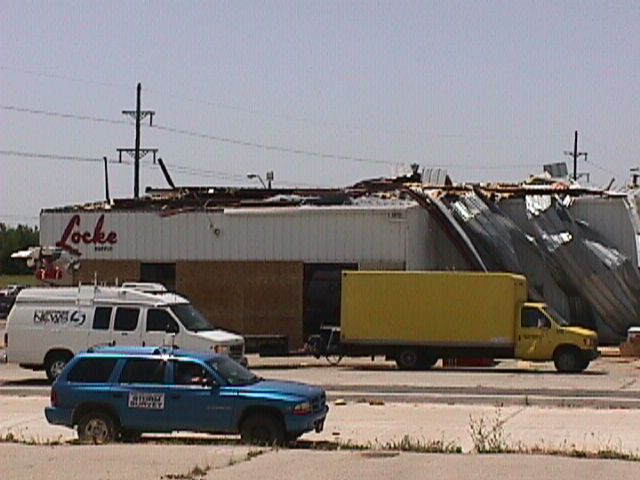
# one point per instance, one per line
(408, 359)
(54, 363)
(569, 360)
(96, 427)
(262, 429)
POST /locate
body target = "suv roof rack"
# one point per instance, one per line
(165, 349)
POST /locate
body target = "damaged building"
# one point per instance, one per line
(267, 262)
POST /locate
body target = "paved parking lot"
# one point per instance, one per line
(373, 404)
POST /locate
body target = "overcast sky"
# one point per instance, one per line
(322, 93)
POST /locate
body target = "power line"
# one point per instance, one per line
(63, 77)
(251, 144)
(275, 148)
(244, 143)
(294, 118)
(62, 115)
(181, 169)
(192, 171)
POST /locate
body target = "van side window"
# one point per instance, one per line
(102, 318)
(126, 319)
(92, 370)
(142, 370)
(161, 321)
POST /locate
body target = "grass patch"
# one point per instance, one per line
(195, 473)
(6, 280)
(11, 437)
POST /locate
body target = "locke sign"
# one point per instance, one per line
(74, 236)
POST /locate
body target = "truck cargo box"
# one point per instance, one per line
(431, 308)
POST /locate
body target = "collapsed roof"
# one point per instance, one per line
(525, 228)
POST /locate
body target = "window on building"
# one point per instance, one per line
(92, 370)
(101, 318)
(142, 370)
(126, 319)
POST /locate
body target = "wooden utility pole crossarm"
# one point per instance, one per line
(137, 153)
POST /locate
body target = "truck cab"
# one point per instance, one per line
(540, 336)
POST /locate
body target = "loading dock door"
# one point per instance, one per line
(321, 295)
(164, 273)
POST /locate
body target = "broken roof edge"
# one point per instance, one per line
(380, 190)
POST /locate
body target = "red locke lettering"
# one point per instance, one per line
(73, 235)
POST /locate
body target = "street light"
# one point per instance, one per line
(255, 175)
(264, 185)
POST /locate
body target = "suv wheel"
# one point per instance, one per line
(55, 363)
(96, 427)
(262, 429)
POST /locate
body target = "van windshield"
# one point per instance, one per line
(191, 318)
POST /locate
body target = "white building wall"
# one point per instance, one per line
(375, 235)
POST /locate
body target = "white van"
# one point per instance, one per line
(48, 326)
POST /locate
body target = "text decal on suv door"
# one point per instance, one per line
(151, 401)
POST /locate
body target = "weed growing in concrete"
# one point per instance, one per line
(488, 435)
(196, 473)
(408, 444)
(405, 444)
(11, 437)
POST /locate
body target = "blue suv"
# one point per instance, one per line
(116, 393)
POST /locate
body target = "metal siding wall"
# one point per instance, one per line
(303, 234)
(416, 239)
(609, 217)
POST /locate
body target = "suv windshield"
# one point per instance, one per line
(191, 318)
(232, 372)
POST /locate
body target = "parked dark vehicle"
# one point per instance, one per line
(116, 393)
(8, 298)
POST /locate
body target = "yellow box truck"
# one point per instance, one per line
(418, 317)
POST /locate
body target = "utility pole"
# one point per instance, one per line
(138, 152)
(575, 154)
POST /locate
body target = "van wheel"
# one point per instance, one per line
(569, 360)
(262, 429)
(408, 359)
(55, 363)
(96, 427)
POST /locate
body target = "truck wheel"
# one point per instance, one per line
(262, 429)
(408, 359)
(569, 360)
(96, 427)
(55, 363)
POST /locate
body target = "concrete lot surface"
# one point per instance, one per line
(374, 404)
(377, 425)
(191, 462)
